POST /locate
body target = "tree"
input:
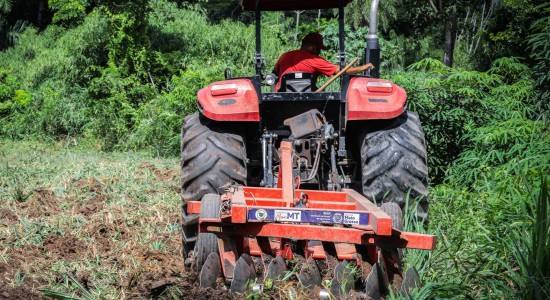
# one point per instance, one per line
(217, 10)
(473, 16)
(539, 44)
(68, 10)
(5, 8)
(358, 13)
(15, 16)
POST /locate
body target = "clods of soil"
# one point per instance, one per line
(17, 293)
(43, 203)
(66, 247)
(7, 217)
(94, 188)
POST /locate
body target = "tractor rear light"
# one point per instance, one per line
(379, 87)
(223, 89)
(271, 79)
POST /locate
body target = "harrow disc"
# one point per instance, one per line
(372, 285)
(343, 280)
(410, 282)
(277, 268)
(391, 259)
(310, 277)
(210, 271)
(244, 274)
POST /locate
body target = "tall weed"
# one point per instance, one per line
(529, 244)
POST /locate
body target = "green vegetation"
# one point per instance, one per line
(490, 211)
(123, 78)
(81, 81)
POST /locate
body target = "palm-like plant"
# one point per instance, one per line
(530, 248)
(5, 7)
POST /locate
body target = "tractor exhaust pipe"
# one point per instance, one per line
(372, 52)
(258, 58)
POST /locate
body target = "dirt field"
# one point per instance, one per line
(90, 225)
(81, 224)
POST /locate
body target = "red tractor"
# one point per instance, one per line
(351, 145)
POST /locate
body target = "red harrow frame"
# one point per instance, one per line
(287, 222)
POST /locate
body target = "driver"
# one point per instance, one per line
(307, 59)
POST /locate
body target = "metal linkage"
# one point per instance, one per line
(268, 141)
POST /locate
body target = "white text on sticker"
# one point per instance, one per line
(288, 215)
(352, 219)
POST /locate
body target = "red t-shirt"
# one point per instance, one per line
(303, 61)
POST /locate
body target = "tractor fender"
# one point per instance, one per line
(373, 98)
(230, 100)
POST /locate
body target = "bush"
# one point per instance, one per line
(491, 241)
(454, 106)
(158, 122)
(8, 91)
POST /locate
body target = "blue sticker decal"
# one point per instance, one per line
(308, 216)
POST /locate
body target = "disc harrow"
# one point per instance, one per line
(334, 242)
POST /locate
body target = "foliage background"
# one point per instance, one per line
(121, 75)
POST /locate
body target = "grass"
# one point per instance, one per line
(98, 225)
(108, 222)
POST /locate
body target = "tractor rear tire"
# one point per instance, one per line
(394, 164)
(213, 154)
(394, 211)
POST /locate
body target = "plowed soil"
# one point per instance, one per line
(113, 232)
(7, 217)
(16, 293)
(117, 236)
(64, 247)
(43, 203)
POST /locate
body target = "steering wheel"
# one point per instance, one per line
(337, 75)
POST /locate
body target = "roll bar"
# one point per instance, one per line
(372, 51)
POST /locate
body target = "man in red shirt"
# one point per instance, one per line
(307, 60)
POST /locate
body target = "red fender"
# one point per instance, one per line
(230, 100)
(372, 99)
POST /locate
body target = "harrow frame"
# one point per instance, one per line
(262, 221)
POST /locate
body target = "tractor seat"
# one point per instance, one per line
(297, 82)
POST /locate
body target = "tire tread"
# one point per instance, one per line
(394, 164)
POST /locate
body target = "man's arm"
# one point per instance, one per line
(359, 69)
(330, 69)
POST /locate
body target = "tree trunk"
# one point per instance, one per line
(40, 16)
(298, 12)
(450, 38)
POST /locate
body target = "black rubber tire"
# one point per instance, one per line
(394, 164)
(207, 242)
(393, 256)
(394, 211)
(212, 155)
